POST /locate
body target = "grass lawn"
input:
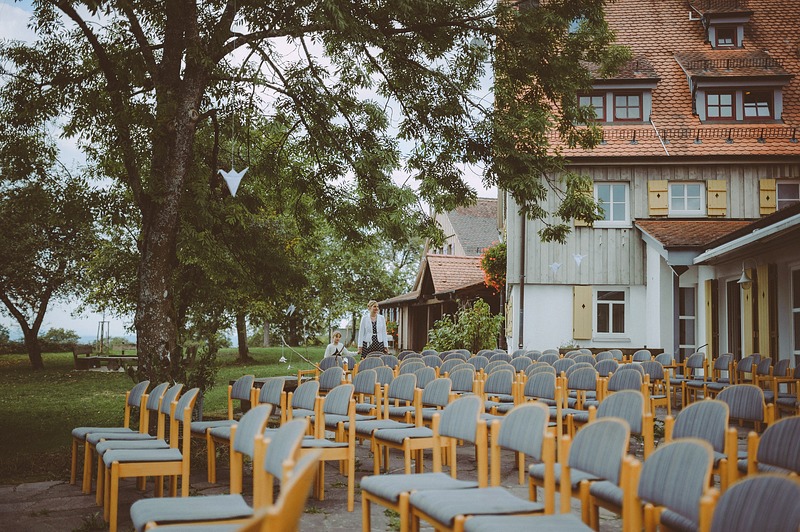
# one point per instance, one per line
(39, 409)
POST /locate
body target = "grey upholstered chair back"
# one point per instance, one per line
(338, 400)
(432, 361)
(136, 393)
(429, 352)
(606, 366)
(364, 381)
(676, 476)
(411, 366)
(781, 367)
(500, 381)
(549, 358)
(583, 379)
(572, 354)
(505, 357)
(780, 445)
(550, 351)
(542, 385)
(271, 391)
(478, 362)
(632, 367)
(539, 367)
(384, 375)
(390, 360)
(654, 369)
(464, 352)
(533, 354)
(723, 362)
(331, 378)
(424, 376)
(576, 366)
(330, 362)
(520, 363)
(402, 387)
(448, 365)
(642, 355)
(155, 396)
(616, 354)
(485, 353)
(665, 359)
(517, 353)
(695, 361)
(585, 350)
(170, 395)
(251, 425)
(603, 355)
(409, 355)
(437, 392)
(745, 365)
(587, 359)
(460, 418)
(764, 366)
(455, 355)
(462, 379)
(625, 380)
(284, 444)
(599, 448)
(745, 401)
(370, 363)
(499, 365)
(305, 395)
(524, 428)
(760, 502)
(185, 400)
(242, 387)
(562, 364)
(707, 420)
(627, 405)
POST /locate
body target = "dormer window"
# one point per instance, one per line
(724, 21)
(597, 101)
(628, 107)
(726, 37)
(758, 104)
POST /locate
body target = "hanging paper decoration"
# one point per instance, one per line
(233, 178)
(282, 359)
(290, 366)
(555, 266)
(290, 310)
(578, 258)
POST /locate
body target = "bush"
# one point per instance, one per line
(493, 264)
(60, 336)
(5, 335)
(474, 328)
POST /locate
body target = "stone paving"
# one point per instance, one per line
(58, 506)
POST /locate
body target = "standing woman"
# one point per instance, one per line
(372, 337)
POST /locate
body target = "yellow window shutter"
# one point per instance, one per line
(747, 315)
(658, 197)
(582, 312)
(763, 304)
(768, 199)
(717, 200)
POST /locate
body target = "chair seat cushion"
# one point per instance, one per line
(400, 411)
(332, 420)
(81, 432)
(526, 523)
(365, 408)
(398, 435)
(504, 408)
(676, 521)
(110, 445)
(96, 437)
(221, 433)
(445, 505)
(501, 397)
(575, 475)
(200, 427)
(368, 427)
(389, 487)
(314, 443)
(141, 455)
(580, 417)
(302, 412)
(607, 491)
(166, 510)
(717, 386)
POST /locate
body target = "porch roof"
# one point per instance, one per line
(681, 241)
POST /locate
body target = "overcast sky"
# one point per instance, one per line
(13, 25)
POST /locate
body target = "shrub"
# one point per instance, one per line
(474, 328)
(493, 264)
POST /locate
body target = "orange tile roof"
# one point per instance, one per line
(730, 64)
(661, 29)
(689, 233)
(450, 272)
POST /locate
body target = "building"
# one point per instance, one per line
(700, 148)
(449, 277)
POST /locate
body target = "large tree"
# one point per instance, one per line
(136, 80)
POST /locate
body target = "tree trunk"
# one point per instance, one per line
(34, 349)
(265, 343)
(241, 334)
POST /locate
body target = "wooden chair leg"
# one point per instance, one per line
(73, 473)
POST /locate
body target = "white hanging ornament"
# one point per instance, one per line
(578, 258)
(233, 178)
(282, 360)
(555, 266)
(290, 366)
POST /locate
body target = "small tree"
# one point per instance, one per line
(61, 336)
(474, 328)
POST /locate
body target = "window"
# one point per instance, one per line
(596, 102)
(796, 311)
(726, 36)
(686, 321)
(686, 199)
(613, 199)
(788, 193)
(610, 312)
(757, 104)
(719, 106)
(628, 107)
